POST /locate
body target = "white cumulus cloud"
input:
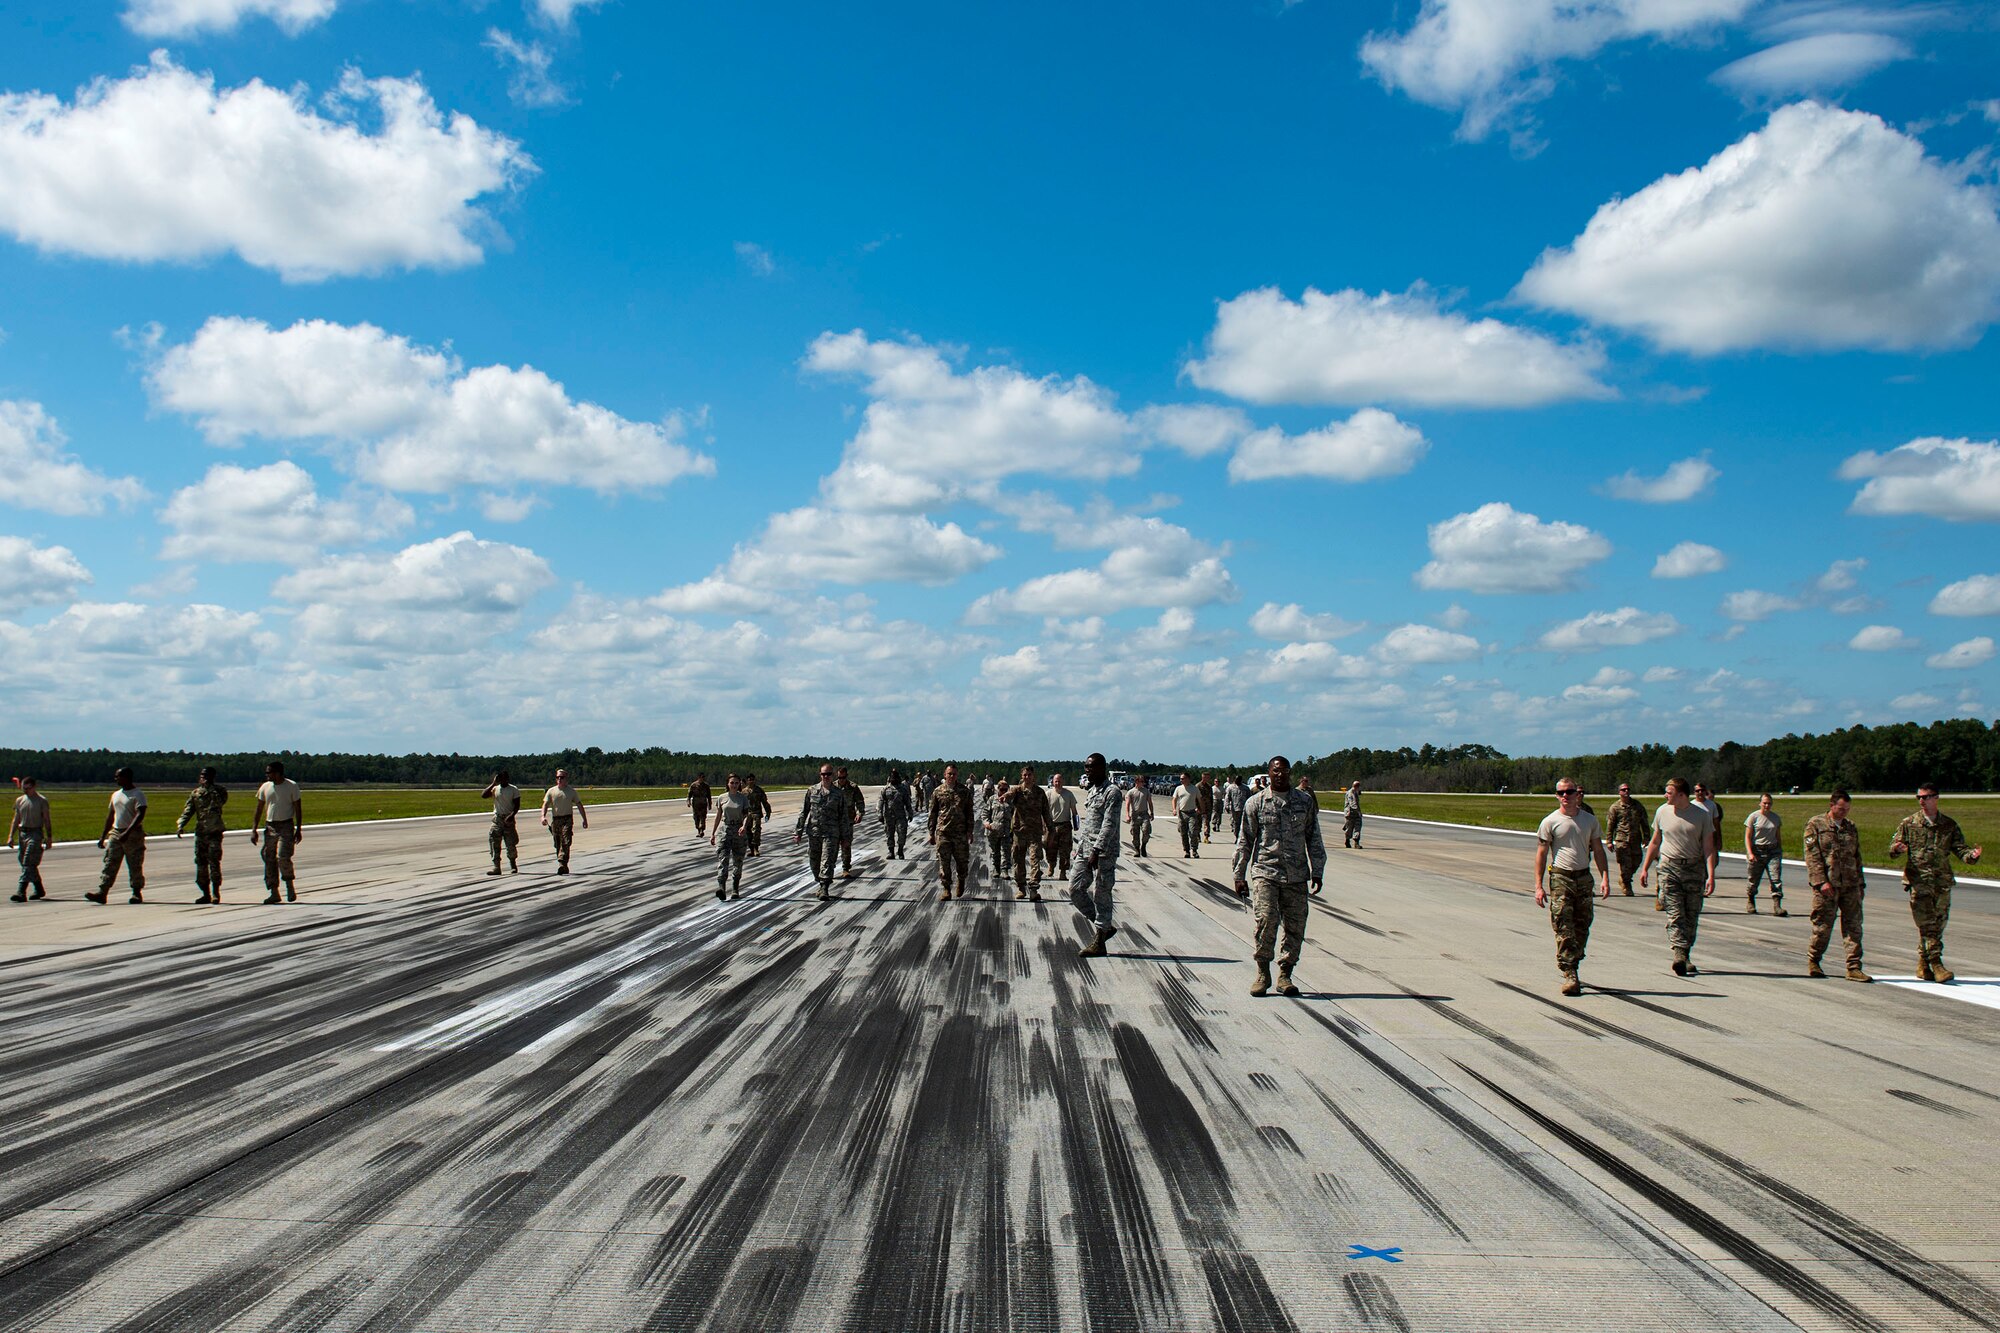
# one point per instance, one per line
(409, 418)
(1497, 549)
(1753, 604)
(1489, 58)
(1152, 563)
(441, 596)
(1291, 623)
(1881, 639)
(272, 513)
(930, 430)
(1960, 656)
(1978, 595)
(1689, 560)
(1196, 429)
(1368, 445)
(32, 575)
(185, 18)
(803, 547)
(162, 165)
(1826, 229)
(1353, 348)
(37, 472)
(1952, 479)
(1626, 626)
(1688, 479)
(1411, 645)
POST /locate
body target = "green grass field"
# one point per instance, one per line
(80, 814)
(1876, 816)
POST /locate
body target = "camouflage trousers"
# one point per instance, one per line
(896, 833)
(997, 850)
(824, 849)
(280, 837)
(954, 858)
(699, 809)
(208, 861)
(1828, 905)
(29, 850)
(1768, 867)
(503, 834)
(1572, 906)
(1629, 858)
(1274, 904)
(129, 850)
(1681, 886)
(846, 837)
(1061, 838)
(1931, 906)
(753, 832)
(1090, 890)
(729, 849)
(1236, 824)
(1142, 833)
(1027, 862)
(1190, 825)
(562, 832)
(1350, 827)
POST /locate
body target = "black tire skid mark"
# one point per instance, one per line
(1657, 1047)
(1958, 1292)
(1391, 1167)
(1240, 1297)
(1630, 1234)
(1781, 1273)
(215, 1091)
(1939, 1079)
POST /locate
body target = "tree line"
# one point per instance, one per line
(1961, 754)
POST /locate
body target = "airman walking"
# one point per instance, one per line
(1280, 858)
(1565, 845)
(950, 831)
(1684, 845)
(505, 835)
(1930, 839)
(1833, 872)
(204, 811)
(30, 832)
(1627, 829)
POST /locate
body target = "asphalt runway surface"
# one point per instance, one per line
(425, 1099)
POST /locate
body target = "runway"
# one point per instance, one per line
(425, 1099)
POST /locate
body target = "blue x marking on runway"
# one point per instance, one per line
(1387, 1256)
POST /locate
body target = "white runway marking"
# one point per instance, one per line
(1973, 990)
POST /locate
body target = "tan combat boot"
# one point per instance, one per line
(1285, 986)
(1571, 985)
(1856, 974)
(1813, 969)
(1940, 972)
(1020, 894)
(1659, 904)
(1262, 985)
(1750, 908)
(1094, 949)
(1924, 970)
(944, 894)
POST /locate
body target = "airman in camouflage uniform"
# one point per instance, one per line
(204, 811)
(823, 817)
(1931, 839)
(505, 833)
(1281, 857)
(857, 805)
(1833, 870)
(698, 798)
(892, 807)
(951, 820)
(1139, 814)
(1097, 856)
(1028, 809)
(1062, 825)
(728, 835)
(1627, 830)
(996, 817)
(760, 810)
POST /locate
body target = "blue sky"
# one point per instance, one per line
(1192, 380)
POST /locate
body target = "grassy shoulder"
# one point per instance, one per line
(80, 814)
(1875, 816)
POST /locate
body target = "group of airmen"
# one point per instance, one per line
(1273, 820)
(1682, 841)
(1280, 857)
(278, 822)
